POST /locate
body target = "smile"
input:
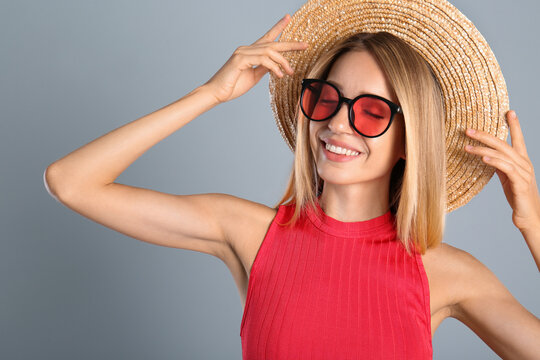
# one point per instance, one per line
(338, 154)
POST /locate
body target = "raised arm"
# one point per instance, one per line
(486, 306)
(516, 174)
(84, 180)
(101, 161)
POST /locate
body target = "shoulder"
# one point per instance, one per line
(242, 220)
(452, 257)
(460, 272)
(238, 214)
(240, 205)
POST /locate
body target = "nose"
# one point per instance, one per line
(339, 123)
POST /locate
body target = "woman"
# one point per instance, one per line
(359, 196)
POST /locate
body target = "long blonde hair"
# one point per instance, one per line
(417, 190)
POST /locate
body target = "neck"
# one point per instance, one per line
(348, 204)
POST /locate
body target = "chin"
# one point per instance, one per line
(334, 177)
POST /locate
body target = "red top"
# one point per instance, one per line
(327, 289)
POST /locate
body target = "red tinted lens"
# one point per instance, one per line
(371, 115)
(319, 100)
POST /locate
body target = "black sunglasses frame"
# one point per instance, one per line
(394, 108)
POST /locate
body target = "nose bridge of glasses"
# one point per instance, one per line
(342, 118)
(347, 101)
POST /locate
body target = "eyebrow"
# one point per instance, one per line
(341, 89)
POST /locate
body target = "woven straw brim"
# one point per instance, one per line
(475, 94)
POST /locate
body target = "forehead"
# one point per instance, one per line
(357, 72)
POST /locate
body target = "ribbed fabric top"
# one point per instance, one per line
(326, 289)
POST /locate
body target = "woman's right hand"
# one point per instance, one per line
(238, 75)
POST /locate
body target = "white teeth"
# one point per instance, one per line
(339, 150)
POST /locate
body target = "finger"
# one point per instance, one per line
(277, 57)
(507, 168)
(276, 46)
(516, 135)
(272, 54)
(273, 33)
(265, 60)
(259, 71)
(494, 154)
(501, 146)
(289, 45)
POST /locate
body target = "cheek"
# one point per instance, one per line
(382, 149)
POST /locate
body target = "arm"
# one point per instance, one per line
(532, 238)
(484, 304)
(84, 182)
(84, 179)
(516, 173)
(101, 161)
(487, 307)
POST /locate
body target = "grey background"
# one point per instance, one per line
(73, 70)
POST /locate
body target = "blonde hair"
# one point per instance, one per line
(417, 190)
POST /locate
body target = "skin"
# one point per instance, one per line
(357, 190)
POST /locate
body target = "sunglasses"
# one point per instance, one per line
(369, 115)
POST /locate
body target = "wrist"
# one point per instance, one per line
(531, 232)
(207, 91)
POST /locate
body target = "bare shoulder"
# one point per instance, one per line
(447, 256)
(455, 270)
(244, 223)
(439, 263)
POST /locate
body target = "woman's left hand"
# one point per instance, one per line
(515, 171)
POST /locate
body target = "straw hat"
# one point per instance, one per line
(473, 86)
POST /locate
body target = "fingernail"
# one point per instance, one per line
(471, 131)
